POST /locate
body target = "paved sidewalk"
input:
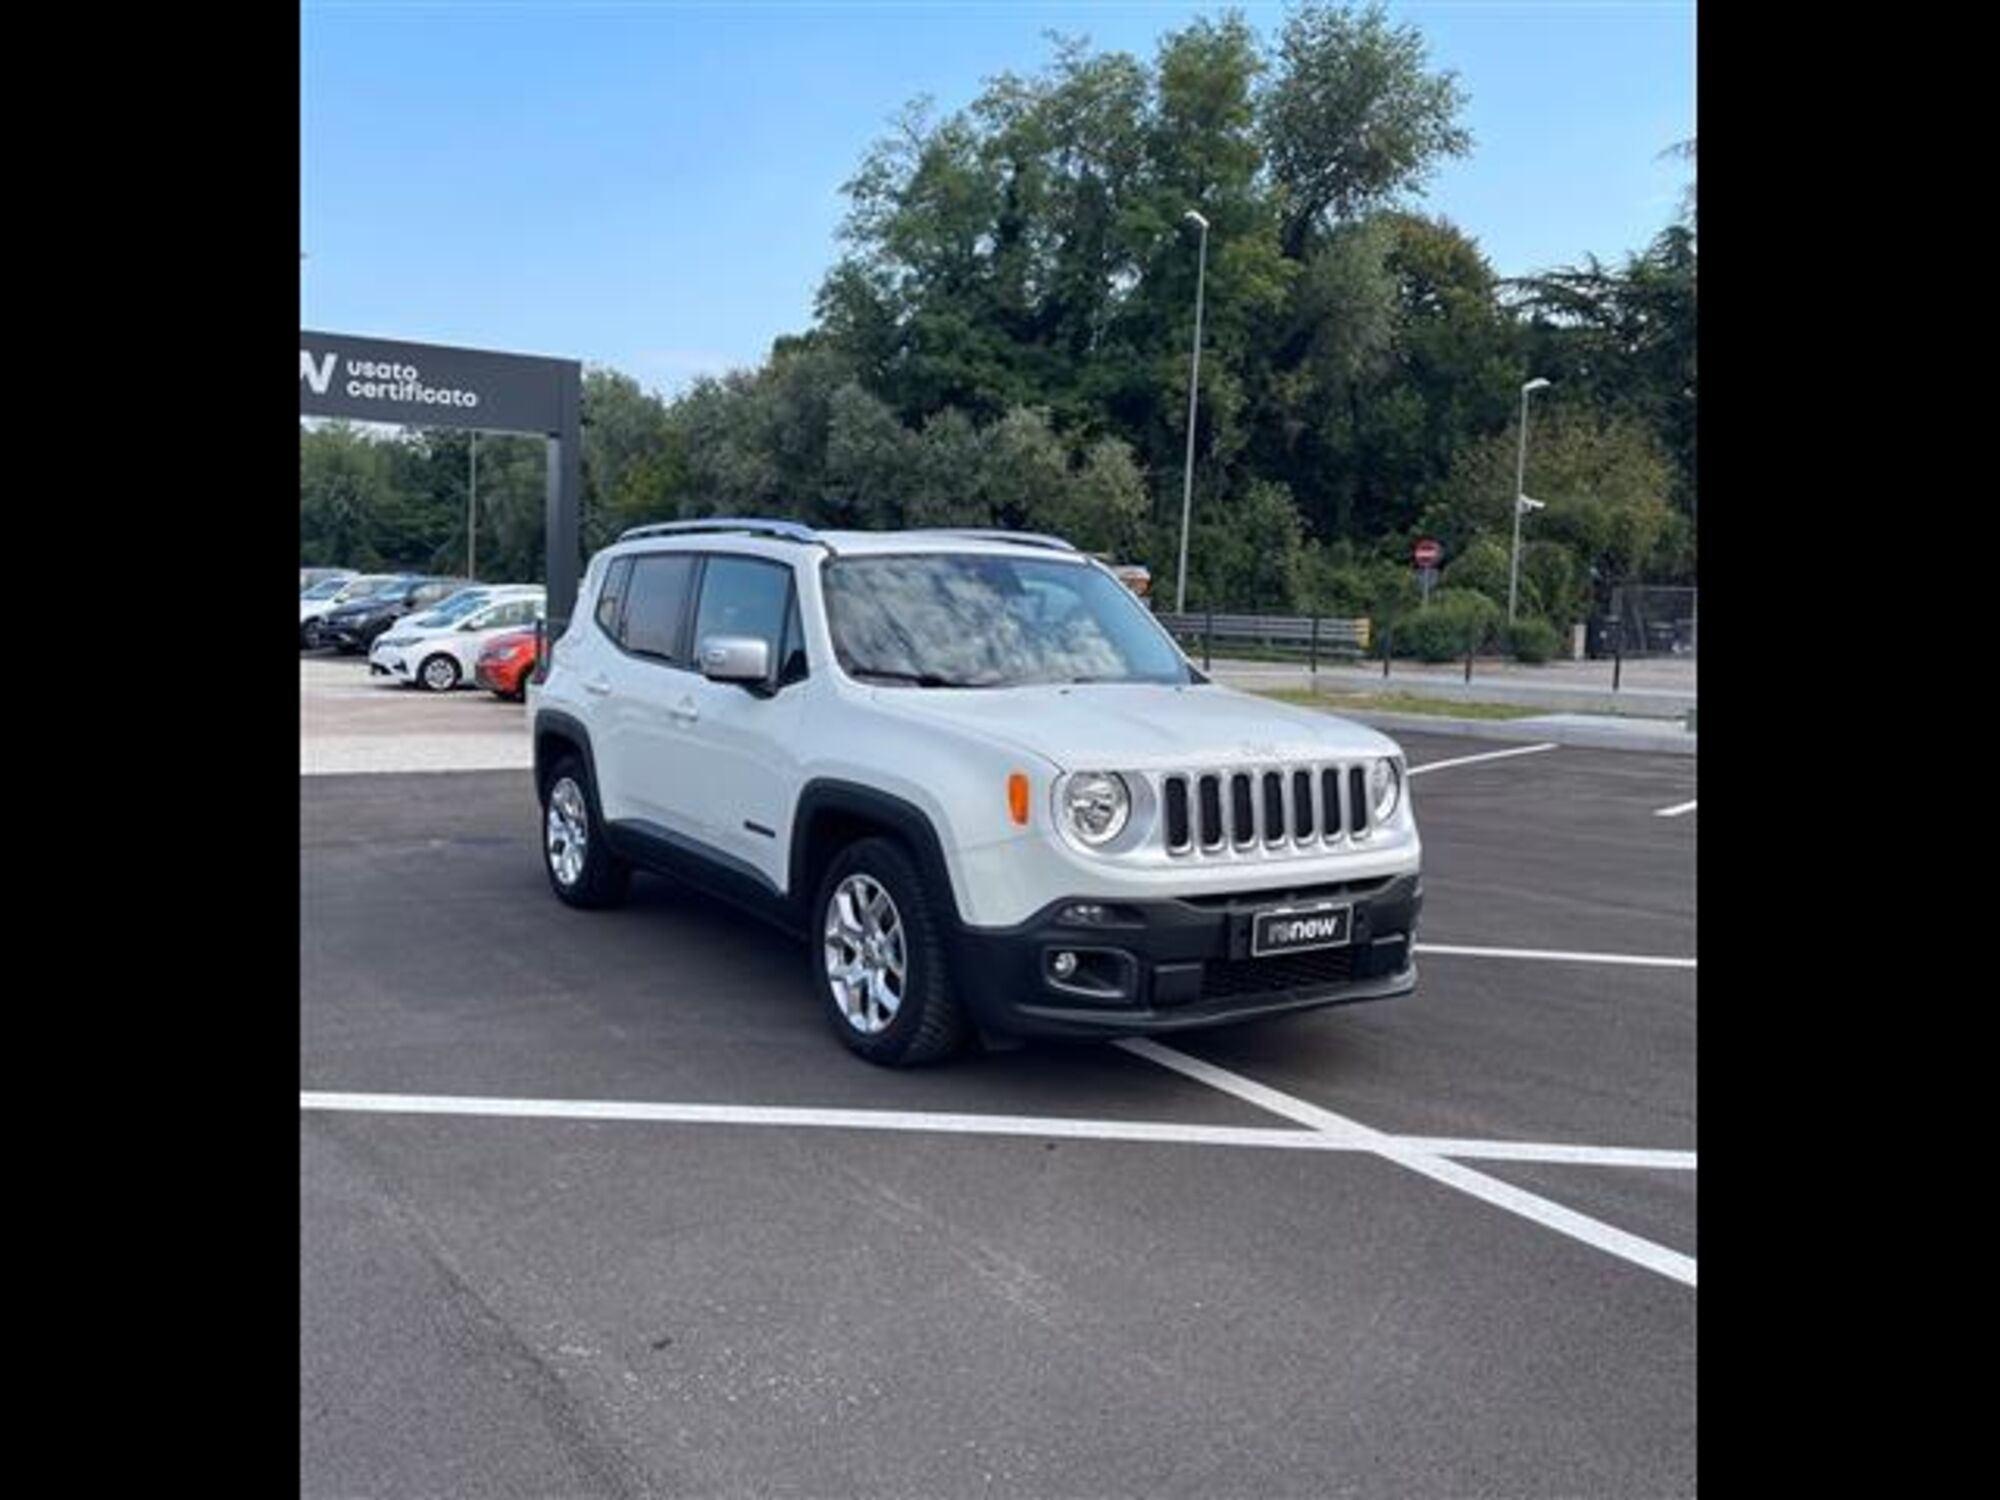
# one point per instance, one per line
(1588, 731)
(1653, 688)
(349, 724)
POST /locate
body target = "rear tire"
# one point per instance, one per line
(879, 961)
(582, 870)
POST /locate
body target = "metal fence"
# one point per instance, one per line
(1308, 638)
(1646, 620)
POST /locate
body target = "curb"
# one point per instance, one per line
(1529, 731)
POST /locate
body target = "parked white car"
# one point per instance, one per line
(439, 654)
(979, 778)
(453, 608)
(331, 593)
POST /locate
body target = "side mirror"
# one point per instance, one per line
(735, 658)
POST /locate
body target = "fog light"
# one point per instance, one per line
(1063, 965)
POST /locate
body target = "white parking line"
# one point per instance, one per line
(1675, 811)
(1410, 1152)
(1557, 955)
(1467, 760)
(1043, 1128)
(1573, 1156)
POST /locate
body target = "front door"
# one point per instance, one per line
(743, 741)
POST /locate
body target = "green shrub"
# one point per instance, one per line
(1532, 640)
(1482, 566)
(1443, 630)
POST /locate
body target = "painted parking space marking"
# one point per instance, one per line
(1675, 811)
(1573, 1156)
(1040, 1127)
(1468, 760)
(1560, 955)
(1407, 1152)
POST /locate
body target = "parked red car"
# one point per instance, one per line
(504, 664)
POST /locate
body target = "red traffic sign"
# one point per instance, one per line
(1427, 552)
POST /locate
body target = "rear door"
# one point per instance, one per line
(643, 684)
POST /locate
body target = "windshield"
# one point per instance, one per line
(326, 588)
(969, 620)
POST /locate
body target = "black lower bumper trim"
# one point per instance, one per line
(1153, 966)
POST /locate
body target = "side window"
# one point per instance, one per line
(611, 598)
(743, 596)
(520, 612)
(792, 659)
(656, 606)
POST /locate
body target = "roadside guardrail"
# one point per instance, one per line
(1313, 636)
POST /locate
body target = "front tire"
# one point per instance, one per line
(879, 960)
(582, 870)
(439, 673)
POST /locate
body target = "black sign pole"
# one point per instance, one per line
(565, 501)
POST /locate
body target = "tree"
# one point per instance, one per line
(633, 465)
(1625, 337)
(1353, 117)
(1004, 339)
(1604, 480)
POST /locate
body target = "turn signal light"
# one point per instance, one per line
(1017, 798)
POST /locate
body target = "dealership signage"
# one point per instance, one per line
(430, 385)
(439, 385)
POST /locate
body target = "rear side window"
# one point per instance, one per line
(611, 598)
(656, 602)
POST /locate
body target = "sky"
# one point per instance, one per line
(654, 185)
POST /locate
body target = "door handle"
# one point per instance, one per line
(597, 684)
(685, 710)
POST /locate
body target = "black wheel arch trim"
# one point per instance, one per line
(852, 799)
(569, 728)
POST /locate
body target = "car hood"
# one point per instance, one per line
(1139, 726)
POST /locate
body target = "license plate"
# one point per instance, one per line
(1297, 929)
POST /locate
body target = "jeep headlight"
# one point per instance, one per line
(1097, 805)
(1385, 790)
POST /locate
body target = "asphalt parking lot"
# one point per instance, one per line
(595, 1204)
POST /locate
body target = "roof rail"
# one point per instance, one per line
(784, 531)
(996, 534)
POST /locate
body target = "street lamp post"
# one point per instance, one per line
(1521, 502)
(1194, 386)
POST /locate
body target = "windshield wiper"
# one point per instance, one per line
(919, 679)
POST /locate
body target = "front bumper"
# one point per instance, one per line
(390, 663)
(1170, 965)
(350, 636)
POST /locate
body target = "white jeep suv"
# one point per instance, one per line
(976, 775)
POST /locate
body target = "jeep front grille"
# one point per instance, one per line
(1267, 810)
